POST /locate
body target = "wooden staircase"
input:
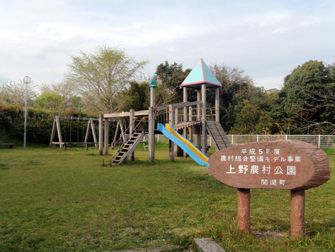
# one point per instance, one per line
(127, 148)
(217, 133)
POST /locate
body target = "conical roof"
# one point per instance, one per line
(200, 75)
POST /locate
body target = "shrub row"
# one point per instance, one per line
(39, 123)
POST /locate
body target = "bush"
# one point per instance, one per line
(39, 122)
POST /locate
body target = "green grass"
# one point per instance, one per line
(330, 150)
(54, 200)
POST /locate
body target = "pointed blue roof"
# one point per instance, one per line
(200, 75)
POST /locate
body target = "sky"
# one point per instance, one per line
(266, 39)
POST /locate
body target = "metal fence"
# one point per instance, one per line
(318, 140)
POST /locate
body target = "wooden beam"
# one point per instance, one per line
(199, 119)
(131, 129)
(106, 122)
(126, 114)
(217, 104)
(122, 128)
(101, 132)
(78, 118)
(203, 119)
(87, 133)
(93, 133)
(159, 108)
(185, 117)
(53, 131)
(151, 135)
(171, 122)
(186, 104)
(59, 132)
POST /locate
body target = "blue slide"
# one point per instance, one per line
(183, 143)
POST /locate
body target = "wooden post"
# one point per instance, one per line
(101, 132)
(53, 132)
(199, 119)
(59, 132)
(176, 121)
(106, 122)
(122, 128)
(185, 116)
(190, 132)
(131, 128)
(243, 210)
(93, 133)
(191, 128)
(171, 122)
(297, 213)
(217, 104)
(203, 119)
(116, 131)
(86, 135)
(151, 126)
(190, 111)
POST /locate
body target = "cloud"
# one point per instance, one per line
(267, 40)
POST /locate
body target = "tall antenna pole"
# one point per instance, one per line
(27, 80)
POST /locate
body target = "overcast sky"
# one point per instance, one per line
(267, 39)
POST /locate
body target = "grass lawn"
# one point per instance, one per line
(55, 200)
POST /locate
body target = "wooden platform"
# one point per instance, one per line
(185, 125)
(11, 145)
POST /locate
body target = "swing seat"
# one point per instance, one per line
(66, 144)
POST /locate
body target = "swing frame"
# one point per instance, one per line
(90, 124)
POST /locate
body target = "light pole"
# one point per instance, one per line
(27, 80)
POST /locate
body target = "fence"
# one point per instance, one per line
(318, 140)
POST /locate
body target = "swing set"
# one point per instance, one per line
(70, 124)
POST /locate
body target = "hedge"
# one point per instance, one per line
(39, 123)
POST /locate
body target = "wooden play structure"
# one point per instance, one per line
(188, 118)
(81, 141)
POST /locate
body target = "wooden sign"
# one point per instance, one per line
(290, 165)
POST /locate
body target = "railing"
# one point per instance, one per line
(119, 140)
(318, 140)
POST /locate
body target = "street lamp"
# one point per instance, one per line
(27, 80)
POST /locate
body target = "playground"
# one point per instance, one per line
(118, 195)
(178, 122)
(63, 201)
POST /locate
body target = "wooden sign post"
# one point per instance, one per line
(285, 165)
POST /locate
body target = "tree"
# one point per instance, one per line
(49, 100)
(305, 104)
(236, 87)
(170, 78)
(15, 92)
(165, 71)
(101, 76)
(136, 96)
(59, 96)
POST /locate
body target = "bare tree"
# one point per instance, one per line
(102, 75)
(15, 92)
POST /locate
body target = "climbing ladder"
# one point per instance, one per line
(217, 133)
(127, 148)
